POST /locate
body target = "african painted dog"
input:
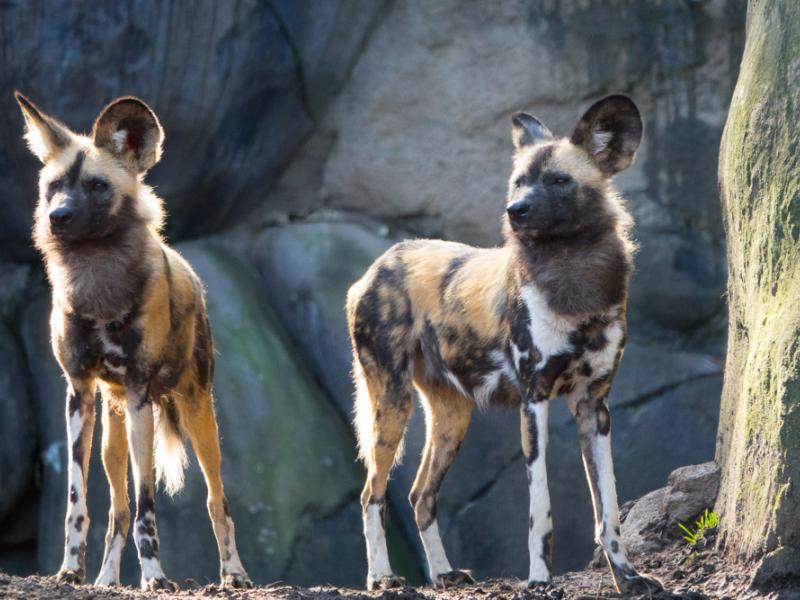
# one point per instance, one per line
(540, 317)
(128, 318)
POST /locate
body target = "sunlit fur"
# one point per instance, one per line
(128, 319)
(541, 316)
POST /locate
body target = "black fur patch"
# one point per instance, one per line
(474, 359)
(73, 494)
(74, 172)
(535, 167)
(148, 548)
(547, 550)
(451, 272)
(203, 351)
(431, 352)
(74, 402)
(530, 437)
(382, 322)
(519, 324)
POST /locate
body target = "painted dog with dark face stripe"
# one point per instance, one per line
(540, 317)
(129, 319)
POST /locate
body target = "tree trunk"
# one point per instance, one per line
(758, 444)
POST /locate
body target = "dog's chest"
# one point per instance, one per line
(105, 348)
(554, 354)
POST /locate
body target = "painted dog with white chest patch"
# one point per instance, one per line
(540, 317)
(129, 318)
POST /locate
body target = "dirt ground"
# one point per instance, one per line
(705, 576)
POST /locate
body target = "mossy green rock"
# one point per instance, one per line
(288, 457)
(759, 434)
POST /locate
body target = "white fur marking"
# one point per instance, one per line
(233, 565)
(119, 138)
(456, 383)
(605, 532)
(549, 331)
(434, 551)
(517, 356)
(600, 140)
(109, 571)
(377, 553)
(539, 496)
(363, 420)
(77, 513)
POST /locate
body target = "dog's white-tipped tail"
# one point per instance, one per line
(170, 454)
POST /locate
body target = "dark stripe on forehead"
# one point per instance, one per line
(74, 170)
(539, 159)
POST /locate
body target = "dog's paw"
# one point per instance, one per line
(453, 578)
(69, 576)
(387, 582)
(155, 584)
(537, 585)
(236, 580)
(106, 582)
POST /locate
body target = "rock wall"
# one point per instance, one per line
(304, 138)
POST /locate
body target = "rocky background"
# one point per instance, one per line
(303, 138)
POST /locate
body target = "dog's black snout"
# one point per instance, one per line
(518, 210)
(60, 217)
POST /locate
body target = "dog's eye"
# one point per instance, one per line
(98, 186)
(54, 185)
(561, 179)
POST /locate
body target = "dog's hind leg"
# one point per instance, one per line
(139, 421)
(80, 426)
(201, 425)
(381, 415)
(447, 416)
(115, 463)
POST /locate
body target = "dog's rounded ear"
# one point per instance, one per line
(130, 130)
(527, 130)
(610, 133)
(45, 135)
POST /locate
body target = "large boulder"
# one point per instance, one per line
(306, 269)
(237, 86)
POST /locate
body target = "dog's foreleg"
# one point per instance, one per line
(80, 425)
(533, 415)
(594, 429)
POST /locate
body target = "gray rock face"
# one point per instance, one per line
(236, 85)
(17, 426)
(691, 490)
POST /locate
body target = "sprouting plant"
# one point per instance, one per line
(707, 521)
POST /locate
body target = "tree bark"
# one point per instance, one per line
(758, 444)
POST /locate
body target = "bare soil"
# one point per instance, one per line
(704, 575)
